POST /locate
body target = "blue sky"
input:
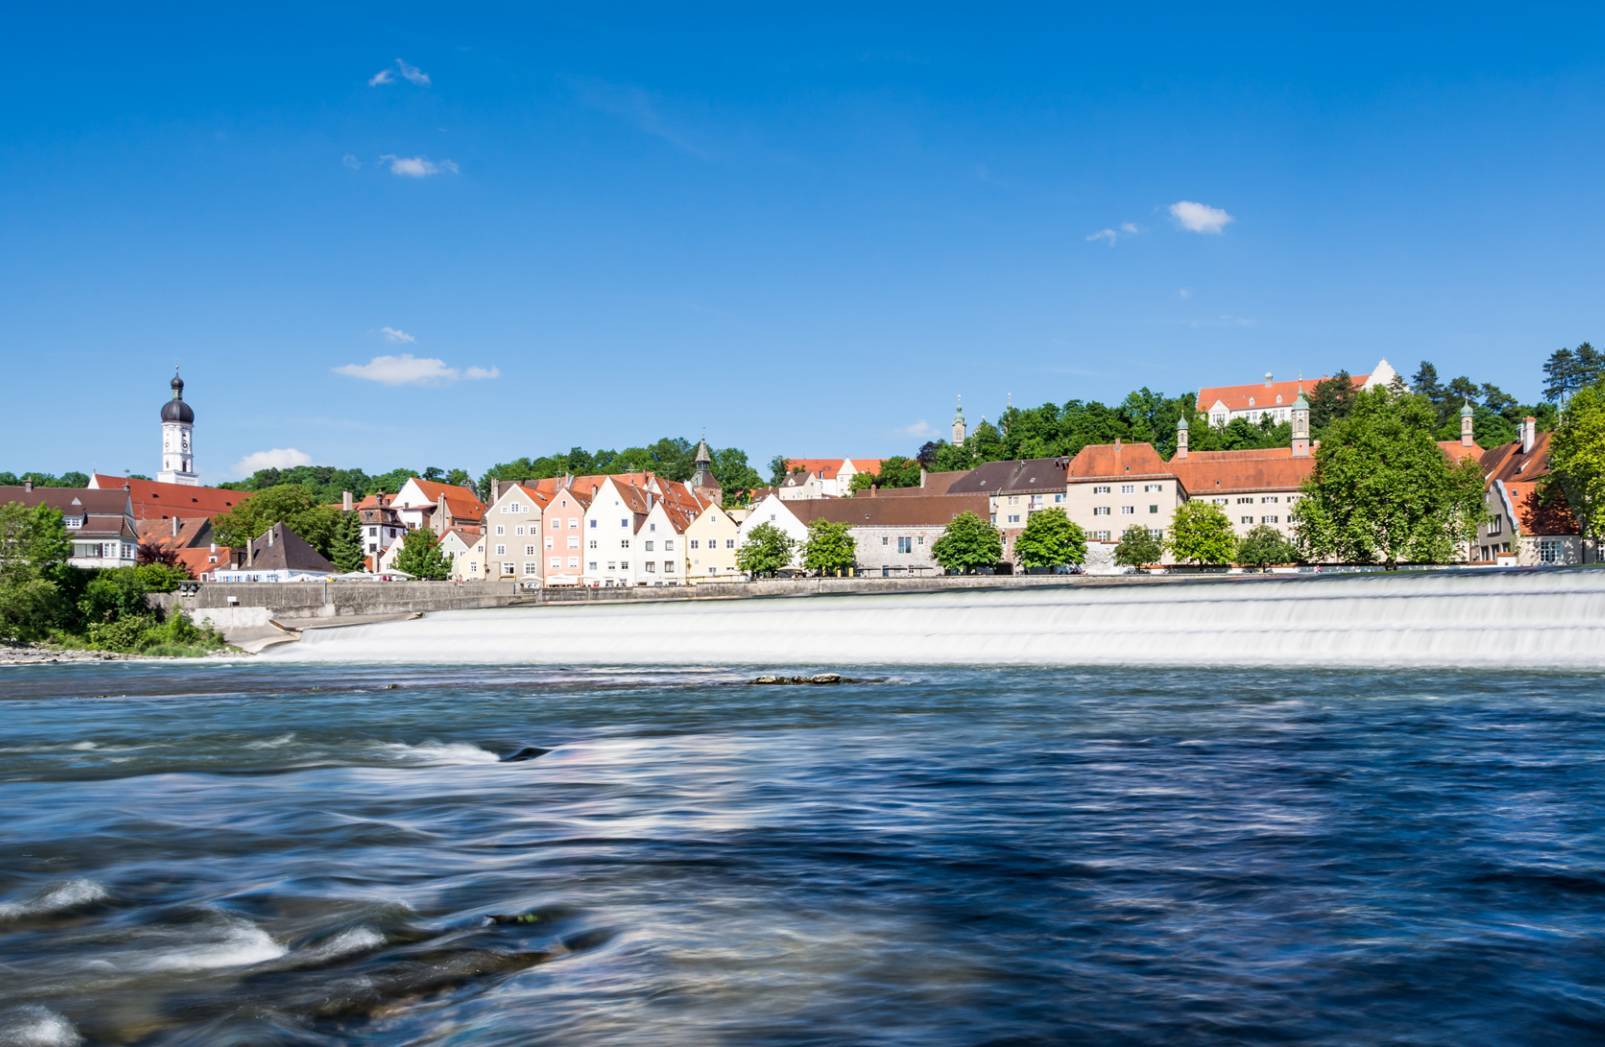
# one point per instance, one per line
(802, 234)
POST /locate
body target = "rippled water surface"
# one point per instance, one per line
(307, 854)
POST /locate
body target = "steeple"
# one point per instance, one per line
(178, 427)
(959, 429)
(1181, 437)
(1301, 425)
(1468, 425)
(703, 476)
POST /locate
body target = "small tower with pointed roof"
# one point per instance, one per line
(1301, 425)
(178, 431)
(1181, 437)
(703, 475)
(1468, 425)
(959, 430)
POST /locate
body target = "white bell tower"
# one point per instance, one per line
(178, 430)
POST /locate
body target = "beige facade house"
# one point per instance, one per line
(711, 542)
(465, 548)
(1111, 487)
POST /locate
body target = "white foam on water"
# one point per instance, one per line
(241, 944)
(433, 752)
(346, 943)
(1538, 619)
(84, 746)
(58, 898)
(37, 1027)
(272, 743)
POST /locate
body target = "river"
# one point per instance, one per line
(277, 852)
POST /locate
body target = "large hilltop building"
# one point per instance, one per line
(1270, 398)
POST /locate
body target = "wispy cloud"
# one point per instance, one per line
(350, 161)
(1184, 293)
(637, 108)
(921, 429)
(1199, 218)
(407, 369)
(1111, 236)
(396, 334)
(410, 73)
(417, 166)
(277, 458)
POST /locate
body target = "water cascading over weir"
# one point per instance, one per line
(1533, 619)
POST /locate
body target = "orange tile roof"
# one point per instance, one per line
(463, 503)
(1267, 469)
(159, 501)
(829, 468)
(1540, 514)
(1117, 460)
(1264, 394)
(1457, 452)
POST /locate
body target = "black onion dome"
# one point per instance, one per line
(176, 410)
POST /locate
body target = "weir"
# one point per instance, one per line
(1535, 620)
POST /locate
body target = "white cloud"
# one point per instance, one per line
(921, 428)
(1184, 293)
(351, 162)
(381, 78)
(412, 73)
(1112, 236)
(396, 334)
(277, 458)
(1199, 218)
(417, 166)
(407, 369)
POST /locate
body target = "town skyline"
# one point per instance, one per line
(547, 232)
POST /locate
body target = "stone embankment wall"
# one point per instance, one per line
(234, 605)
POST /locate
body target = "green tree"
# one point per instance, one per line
(1331, 400)
(1577, 457)
(1383, 491)
(830, 548)
(1263, 546)
(290, 504)
(421, 557)
(896, 471)
(345, 550)
(766, 551)
(1138, 547)
(34, 548)
(1200, 533)
(1568, 370)
(777, 470)
(968, 543)
(1050, 539)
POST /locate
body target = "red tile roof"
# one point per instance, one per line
(159, 501)
(460, 501)
(828, 468)
(1118, 460)
(1541, 513)
(1263, 394)
(1270, 469)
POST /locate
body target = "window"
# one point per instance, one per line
(532, 567)
(595, 544)
(1270, 519)
(1156, 533)
(1128, 510)
(548, 543)
(591, 566)
(668, 545)
(624, 523)
(1100, 510)
(668, 567)
(1550, 550)
(473, 566)
(573, 541)
(507, 569)
(905, 544)
(1246, 501)
(885, 540)
(612, 565)
(652, 527)
(1014, 518)
(729, 543)
(696, 543)
(1127, 488)
(1152, 509)
(1269, 499)
(649, 544)
(651, 567)
(624, 543)
(1100, 488)
(1058, 497)
(1100, 536)
(574, 562)
(500, 530)
(529, 550)
(556, 523)
(1245, 519)
(501, 550)
(574, 523)
(1151, 488)
(593, 525)
(519, 529)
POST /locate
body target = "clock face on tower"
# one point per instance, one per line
(184, 441)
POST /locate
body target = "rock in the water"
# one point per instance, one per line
(817, 678)
(528, 752)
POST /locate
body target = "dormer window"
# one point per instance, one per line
(1251, 401)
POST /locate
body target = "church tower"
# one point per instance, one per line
(1468, 425)
(178, 428)
(703, 476)
(1181, 437)
(1301, 425)
(959, 431)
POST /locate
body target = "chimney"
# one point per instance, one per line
(495, 491)
(175, 527)
(874, 490)
(1529, 434)
(439, 521)
(568, 480)
(1267, 379)
(922, 477)
(270, 535)
(345, 501)
(27, 486)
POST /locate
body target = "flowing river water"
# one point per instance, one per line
(287, 852)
